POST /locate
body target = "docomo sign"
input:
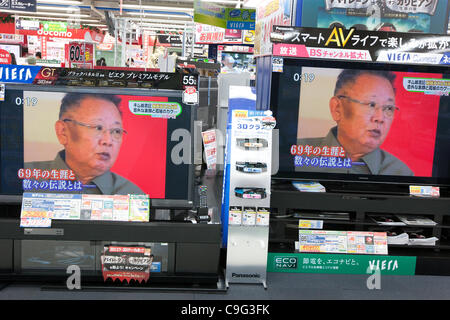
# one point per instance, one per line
(60, 34)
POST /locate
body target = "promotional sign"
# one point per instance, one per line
(5, 57)
(42, 75)
(210, 146)
(54, 26)
(270, 13)
(38, 209)
(340, 263)
(357, 45)
(18, 5)
(227, 18)
(22, 24)
(377, 15)
(11, 38)
(79, 55)
(126, 263)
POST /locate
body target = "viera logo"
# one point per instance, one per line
(245, 275)
(286, 262)
(389, 265)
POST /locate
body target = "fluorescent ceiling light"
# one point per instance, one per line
(67, 9)
(146, 7)
(223, 1)
(60, 19)
(72, 2)
(144, 14)
(57, 14)
(137, 20)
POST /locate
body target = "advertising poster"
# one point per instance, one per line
(270, 13)
(377, 15)
(223, 17)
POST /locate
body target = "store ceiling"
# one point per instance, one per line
(153, 15)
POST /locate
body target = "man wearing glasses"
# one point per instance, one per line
(90, 129)
(363, 107)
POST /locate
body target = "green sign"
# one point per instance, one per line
(340, 263)
(54, 26)
(227, 18)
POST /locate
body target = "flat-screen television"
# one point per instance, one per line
(95, 140)
(362, 122)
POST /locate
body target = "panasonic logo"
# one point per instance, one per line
(245, 275)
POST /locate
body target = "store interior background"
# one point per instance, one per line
(159, 36)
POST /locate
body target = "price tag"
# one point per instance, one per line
(310, 224)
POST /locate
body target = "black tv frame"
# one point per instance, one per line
(163, 203)
(378, 181)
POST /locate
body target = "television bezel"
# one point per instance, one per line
(352, 178)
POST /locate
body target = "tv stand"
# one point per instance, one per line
(366, 188)
(288, 205)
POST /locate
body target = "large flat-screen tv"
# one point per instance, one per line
(95, 140)
(362, 122)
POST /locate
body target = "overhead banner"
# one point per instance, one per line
(95, 78)
(358, 45)
(227, 18)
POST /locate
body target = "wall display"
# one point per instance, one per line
(122, 157)
(379, 15)
(359, 45)
(316, 142)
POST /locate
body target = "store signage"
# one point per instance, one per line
(126, 263)
(41, 75)
(79, 54)
(18, 73)
(18, 5)
(22, 24)
(270, 13)
(227, 18)
(11, 38)
(414, 6)
(54, 26)
(340, 263)
(359, 45)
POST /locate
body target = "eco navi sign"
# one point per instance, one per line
(340, 263)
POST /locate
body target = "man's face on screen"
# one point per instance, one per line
(366, 110)
(93, 142)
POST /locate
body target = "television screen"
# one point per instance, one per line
(362, 122)
(91, 140)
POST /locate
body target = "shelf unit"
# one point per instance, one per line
(286, 201)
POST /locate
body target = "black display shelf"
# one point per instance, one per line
(285, 200)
